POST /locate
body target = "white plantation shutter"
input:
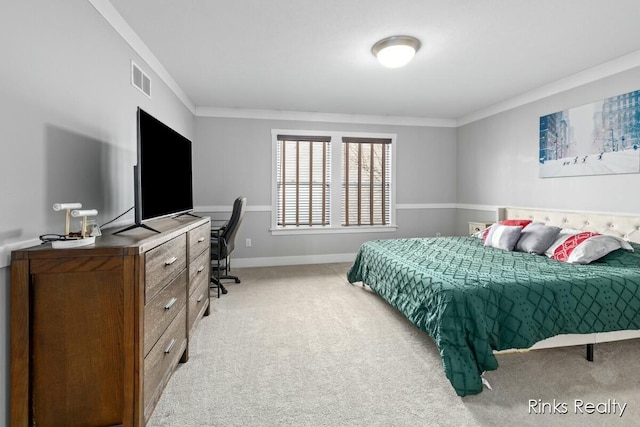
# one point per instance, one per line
(303, 180)
(366, 181)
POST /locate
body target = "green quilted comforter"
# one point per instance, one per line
(472, 300)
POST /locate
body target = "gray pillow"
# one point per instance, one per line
(536, 238)
(503, 236)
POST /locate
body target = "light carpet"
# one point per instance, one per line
(300, 346)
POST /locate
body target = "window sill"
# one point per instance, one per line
(332, 230)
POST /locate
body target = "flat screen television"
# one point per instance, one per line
(163, 175)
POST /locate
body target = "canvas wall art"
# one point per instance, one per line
(594, 139)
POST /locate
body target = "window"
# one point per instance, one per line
(366, 181)
(303, 180)
(332, 182)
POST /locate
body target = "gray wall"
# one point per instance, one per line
(498, 158)
(233, 157)
(67, 126)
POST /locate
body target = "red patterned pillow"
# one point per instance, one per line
(584, 247)
(485, 232)
(520, 222)
(563, 251)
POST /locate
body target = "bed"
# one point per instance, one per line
(475, 300)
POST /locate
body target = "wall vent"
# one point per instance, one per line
(140, 80)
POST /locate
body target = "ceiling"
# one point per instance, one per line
(315, 55)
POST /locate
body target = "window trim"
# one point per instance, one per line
(335, 225)
(372, 143)
(291, 141)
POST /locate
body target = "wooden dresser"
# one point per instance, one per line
(97, 331)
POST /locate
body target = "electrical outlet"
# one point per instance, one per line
(438, 234)
(247, 243)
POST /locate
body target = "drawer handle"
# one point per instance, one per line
(170, 346)
(170, 303)
(200, 240)
(201, 268)
(171, 260)
(200, 298)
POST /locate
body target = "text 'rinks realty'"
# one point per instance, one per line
(610, 407)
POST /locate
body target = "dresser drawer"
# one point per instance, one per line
(199, 270)
(199, 240)
(163, 263)
(162, 359)
(161, 310)
(198, 302)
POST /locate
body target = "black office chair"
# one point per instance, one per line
(221, 248)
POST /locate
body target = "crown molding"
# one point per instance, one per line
(610, 68)
(113, 18)
(239, 113)
(615, 66)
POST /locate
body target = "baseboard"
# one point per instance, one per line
(292, 260)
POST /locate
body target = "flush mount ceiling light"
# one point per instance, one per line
(396, 51)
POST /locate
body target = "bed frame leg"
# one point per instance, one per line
(590, 352)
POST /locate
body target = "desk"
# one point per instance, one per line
(217, 227)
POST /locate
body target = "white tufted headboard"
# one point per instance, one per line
(625, 226)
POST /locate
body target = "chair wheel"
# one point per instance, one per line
(237, 280)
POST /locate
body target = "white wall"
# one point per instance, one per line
(232, 157)
(498, 158)
(67, 126)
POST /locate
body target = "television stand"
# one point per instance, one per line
(186, 213)
(131, 227)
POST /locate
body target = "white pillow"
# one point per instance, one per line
(503, 236)
(584, 247)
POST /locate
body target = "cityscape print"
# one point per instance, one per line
(594, 139)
